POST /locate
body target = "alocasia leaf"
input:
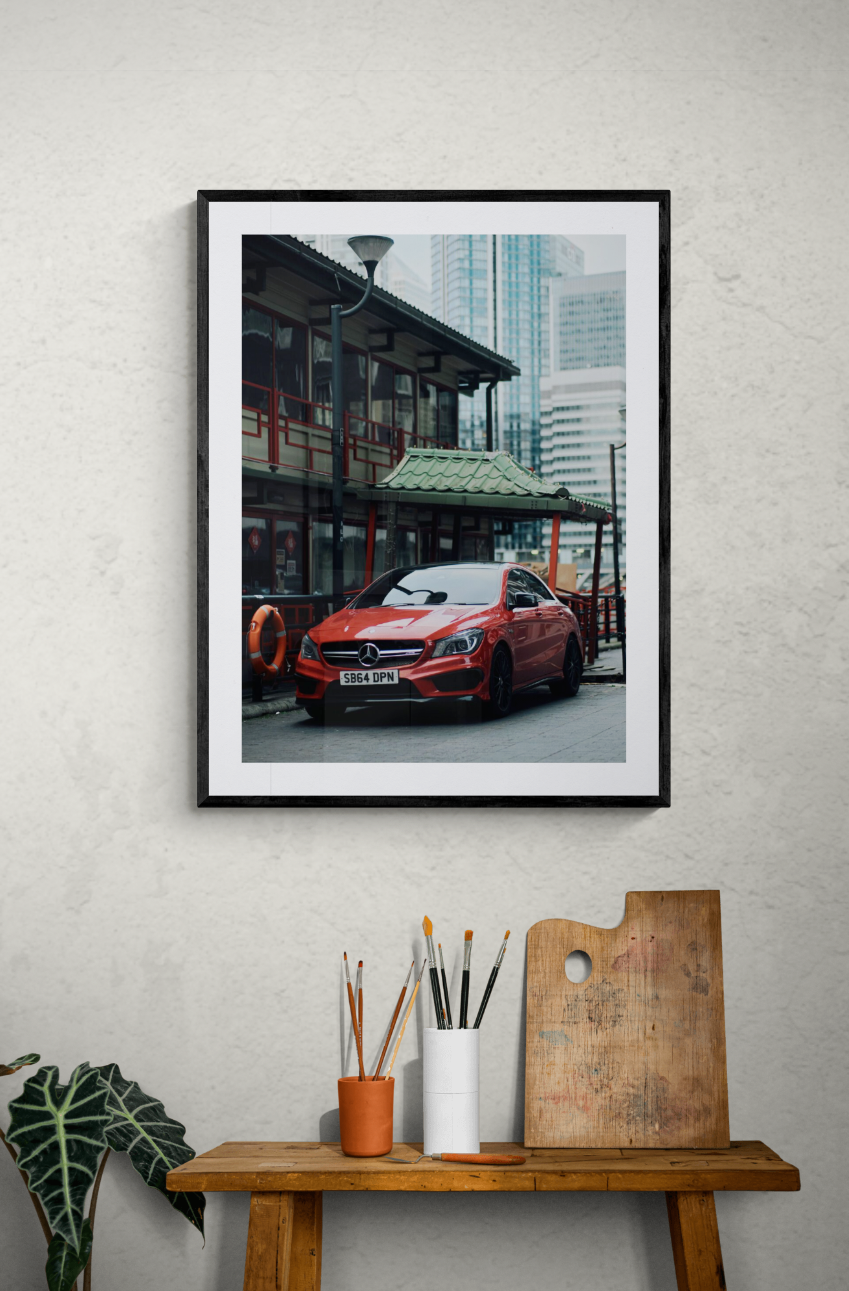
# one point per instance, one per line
(64, 1264)
(60, 1131)
(28, 1060)
(155, 1144)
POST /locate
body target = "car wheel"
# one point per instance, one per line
(573, 670)
(324, 712)
(500, 684)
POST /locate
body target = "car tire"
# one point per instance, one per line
(573, 670)
(322, 713)
(500, 684)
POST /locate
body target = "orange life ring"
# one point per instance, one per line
(254, 636)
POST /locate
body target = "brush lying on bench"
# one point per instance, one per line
(470, 1158)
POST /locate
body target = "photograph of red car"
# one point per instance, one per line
(475, 631)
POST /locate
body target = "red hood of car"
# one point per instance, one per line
(388, 621)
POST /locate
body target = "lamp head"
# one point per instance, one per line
(370, 249)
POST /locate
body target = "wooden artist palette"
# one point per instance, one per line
(635, 1055)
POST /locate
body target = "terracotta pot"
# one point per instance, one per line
(365, 1116)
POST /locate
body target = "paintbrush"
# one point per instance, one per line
(445, 988)
(360, 999)
(406, 1020)
(354, 1020)
(464, 988)
(392, 1023)
(492, 978)
(434, 976)
(470, 1158)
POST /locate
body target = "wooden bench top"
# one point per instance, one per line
(747, 1166)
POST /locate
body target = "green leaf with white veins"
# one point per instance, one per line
(64, 1264)
(153, 1141)
(60, 1131)
(28, 1060)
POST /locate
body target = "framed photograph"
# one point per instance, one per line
(445, 522)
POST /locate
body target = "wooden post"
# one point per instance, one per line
(269, 1241)
(305, 1267)
(555, 552)
(284, 1242)
(391, 535)
(593, 633)
(372, 527)
(695, 1241)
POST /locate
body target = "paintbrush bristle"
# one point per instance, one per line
(507, 934)
(468, 934)
(360, 964)
(427, 926)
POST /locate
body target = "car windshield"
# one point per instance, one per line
(434, 585)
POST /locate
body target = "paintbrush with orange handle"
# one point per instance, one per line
(427, 927)
(406, 1020)
(464, 988)
(469, 1158)
(392, 1023)
(354, 1020)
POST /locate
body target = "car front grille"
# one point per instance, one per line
(393, 654)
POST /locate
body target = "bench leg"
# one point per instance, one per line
(305, 1264)
(284, 1242)
(695, 1241)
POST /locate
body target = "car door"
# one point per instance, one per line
(554, 629)
(526, 632)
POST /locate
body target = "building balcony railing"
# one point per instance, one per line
(283, 430)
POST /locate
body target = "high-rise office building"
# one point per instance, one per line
(392, 273)
(583, 403)
(587, 322)
(494, 288)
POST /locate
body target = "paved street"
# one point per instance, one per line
(588, 728)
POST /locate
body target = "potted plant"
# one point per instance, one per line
(60, 1138)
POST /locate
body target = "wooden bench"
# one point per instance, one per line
(286, 1182)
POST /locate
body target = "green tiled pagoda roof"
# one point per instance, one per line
(473, 478)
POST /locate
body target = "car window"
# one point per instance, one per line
(537, 586)
(515, 583)
(434, 585)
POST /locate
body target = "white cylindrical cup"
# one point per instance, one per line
(451, 1081)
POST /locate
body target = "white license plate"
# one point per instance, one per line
(371, 677)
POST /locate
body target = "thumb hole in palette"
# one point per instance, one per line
(578, 966)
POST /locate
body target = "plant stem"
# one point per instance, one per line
(92, 1208)
(39, 1209)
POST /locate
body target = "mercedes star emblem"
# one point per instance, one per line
(368, 655)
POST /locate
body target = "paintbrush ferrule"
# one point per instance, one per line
(467, 956)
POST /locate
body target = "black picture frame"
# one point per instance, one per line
(205, 198)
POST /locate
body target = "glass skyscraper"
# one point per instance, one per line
(583, 404)
(494, 287)
(588, 322)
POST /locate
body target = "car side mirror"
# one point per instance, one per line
(524, 601)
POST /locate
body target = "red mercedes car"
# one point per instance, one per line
(461, 631)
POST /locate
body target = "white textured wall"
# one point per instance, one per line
(199, 949)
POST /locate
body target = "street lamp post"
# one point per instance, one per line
(371, 251)
(614, 515)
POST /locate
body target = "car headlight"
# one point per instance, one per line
(462, 643)
(309, 649)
